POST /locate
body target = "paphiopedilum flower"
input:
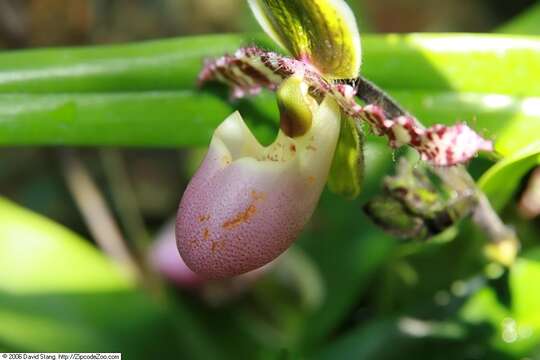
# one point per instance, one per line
(247, 203)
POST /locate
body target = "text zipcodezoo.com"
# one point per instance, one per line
(60, 356)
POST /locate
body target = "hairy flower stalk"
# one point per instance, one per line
(248, 203)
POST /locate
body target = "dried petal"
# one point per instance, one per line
(248, 203)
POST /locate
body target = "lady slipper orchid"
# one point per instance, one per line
(248, 203)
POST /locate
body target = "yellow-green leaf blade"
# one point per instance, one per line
(39, 256)
(501, 181)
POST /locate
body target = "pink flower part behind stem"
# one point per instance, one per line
(251, 69)
(164, 258)
(248, 203)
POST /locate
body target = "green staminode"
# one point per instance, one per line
(295, 107)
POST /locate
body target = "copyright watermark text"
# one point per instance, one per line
(60, 356)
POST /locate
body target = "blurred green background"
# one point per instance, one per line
(346, 290)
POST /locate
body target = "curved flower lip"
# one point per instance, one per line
(248, 203)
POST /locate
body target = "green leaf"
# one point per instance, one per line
(365, 342)
(347, 170)
(350, 237)
(409, 338)
(158, 119)
(142, 94)
(516, 330)
(29, 242)
(479, 63)
(526, 23)
(152, 65)
(482, 63)
(501, 181)
(189, 118)
(323, 32)
(483, 325)
(526, 298)
(58, 293)
(104, 321)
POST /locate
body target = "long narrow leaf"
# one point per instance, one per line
(153, 65)
(458, 62)
(188, 118)
(157, 119)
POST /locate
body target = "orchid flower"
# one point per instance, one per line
(247, 203)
